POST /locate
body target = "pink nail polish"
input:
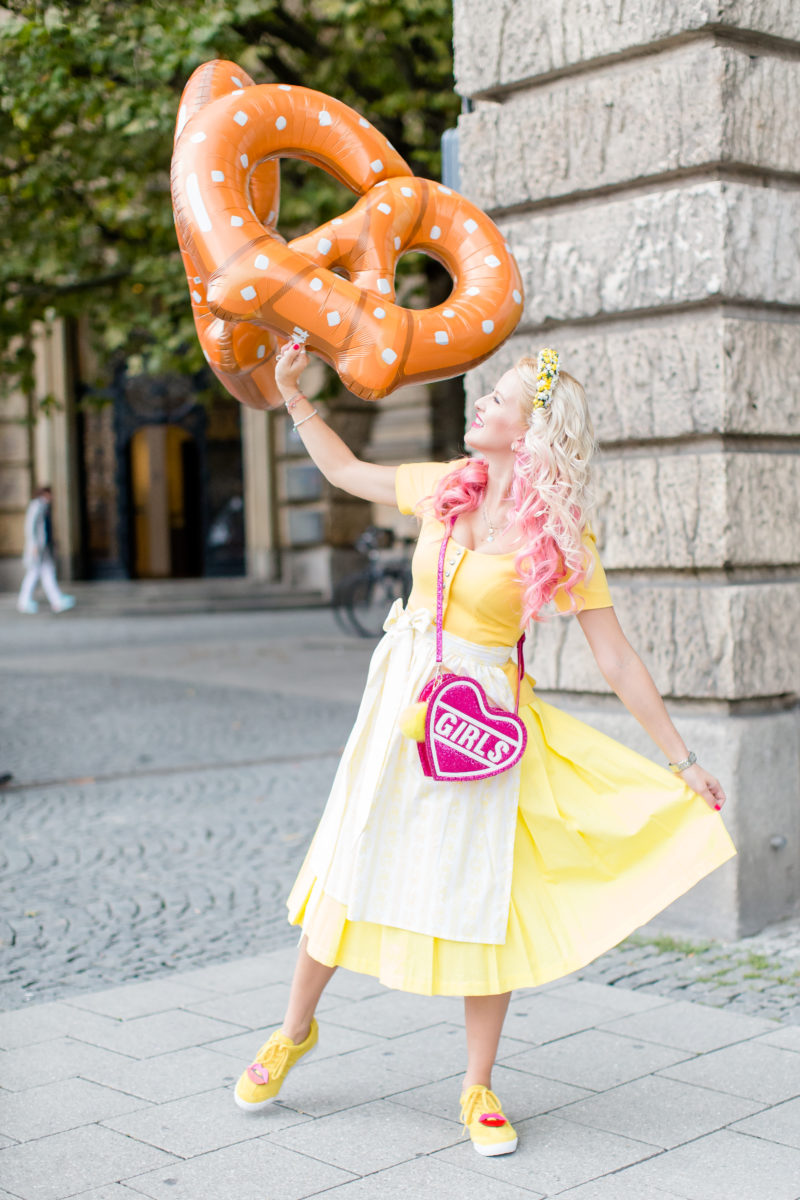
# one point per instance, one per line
(717, 807)
(296, 346)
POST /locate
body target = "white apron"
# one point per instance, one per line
(395, 847)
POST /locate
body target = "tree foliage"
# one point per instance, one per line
(88, 95)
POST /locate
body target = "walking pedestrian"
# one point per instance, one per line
(474, 888)
(39, 556)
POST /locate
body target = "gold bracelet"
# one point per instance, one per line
(313, 413)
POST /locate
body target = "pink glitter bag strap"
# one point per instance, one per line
(465, 737)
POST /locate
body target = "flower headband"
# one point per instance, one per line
(546, 376)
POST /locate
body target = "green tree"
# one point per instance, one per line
(88, 93)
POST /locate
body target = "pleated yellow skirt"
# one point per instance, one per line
(605, 840)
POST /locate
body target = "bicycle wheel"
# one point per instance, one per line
(340, 603)
(371, 595)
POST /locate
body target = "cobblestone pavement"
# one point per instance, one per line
(157, 816)
(168, 775)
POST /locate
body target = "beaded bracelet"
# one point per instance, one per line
(290, 403)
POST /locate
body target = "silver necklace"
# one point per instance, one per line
(492, 531)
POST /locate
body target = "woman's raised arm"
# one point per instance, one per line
(624, 671)
(336, 461)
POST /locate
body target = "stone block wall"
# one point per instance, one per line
(644, 164)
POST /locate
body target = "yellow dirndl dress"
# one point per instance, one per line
(482, 887)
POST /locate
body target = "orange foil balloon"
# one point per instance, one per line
(335, 286)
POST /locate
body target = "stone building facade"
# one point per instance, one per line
(158, 483)
(644, 163)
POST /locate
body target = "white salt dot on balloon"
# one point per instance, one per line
(492, 260)
(384, 208)
(447, 191)
(251, 210)
(487, 326)
(517, 296)
(240, 117)
(315, 285)
(448, 312)
(397, 243)
(384, 287)
(325, 117)
(196, 279)
(248, 293)
(237, 221)
(218, 176)
(381, 183)
(183, 117)
(262, 262)
(470, 225)
(236, 81)
(280, 122)
(364, 124)
(238, 92)
(376, 165)
(380, 313)
(388, 355)
(323, 245)
(441, 337)
(261, 351)
(336, 221)
(206, 355)
(473, 291)
(435, 232)
(333, 318)
(198, 137)
(407, 191)
(271, 217)
(198, 299)
(244, 160)
(285, 87)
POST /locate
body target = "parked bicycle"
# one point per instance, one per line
(362, 600)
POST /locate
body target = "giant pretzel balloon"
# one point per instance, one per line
(333, 287)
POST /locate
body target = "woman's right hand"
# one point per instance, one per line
(704, 783)
(290, 362)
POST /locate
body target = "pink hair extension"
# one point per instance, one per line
(551, 559)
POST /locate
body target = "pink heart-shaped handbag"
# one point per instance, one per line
(466, 737)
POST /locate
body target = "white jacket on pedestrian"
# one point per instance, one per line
(35, 532)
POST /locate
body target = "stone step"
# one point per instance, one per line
(153, 597)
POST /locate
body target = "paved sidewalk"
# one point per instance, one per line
(616, 1094)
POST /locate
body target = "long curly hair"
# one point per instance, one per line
(550, 489)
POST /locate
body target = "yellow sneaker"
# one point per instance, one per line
(261, 1082)
(485, 1122)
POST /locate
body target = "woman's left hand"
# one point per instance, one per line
(702, 782)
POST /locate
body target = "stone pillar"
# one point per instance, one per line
(55, 439)
(16, 483)
(258, 467)
(644, 164)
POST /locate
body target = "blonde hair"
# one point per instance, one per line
(550, 486)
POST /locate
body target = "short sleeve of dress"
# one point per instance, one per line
(593, 592)
(416, 481)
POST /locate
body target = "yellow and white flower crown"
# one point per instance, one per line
(546, 376)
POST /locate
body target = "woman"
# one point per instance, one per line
(476, 888)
